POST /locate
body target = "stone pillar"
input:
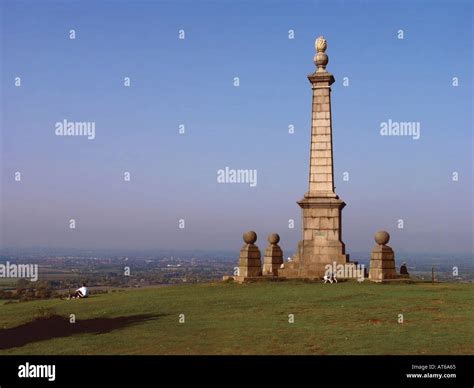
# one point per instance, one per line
(382, 259)
(249, 262)
(273, 256)
(321, 242)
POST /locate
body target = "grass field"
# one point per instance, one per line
(221, 318)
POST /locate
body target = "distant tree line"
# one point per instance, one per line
(27, 290)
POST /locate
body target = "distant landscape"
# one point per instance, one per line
(176, 303)
(105, 271)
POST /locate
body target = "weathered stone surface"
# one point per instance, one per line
(382, 237)
(382, 259)
(250, 237)
(273, 256)
(250, 264)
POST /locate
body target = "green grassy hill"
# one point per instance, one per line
(344, 318)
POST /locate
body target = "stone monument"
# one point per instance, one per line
(382, 259)
(321, 242)
(273, 256)
(250, 265)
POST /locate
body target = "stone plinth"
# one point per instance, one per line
(273, 256)
(249, 262)
(382, 259)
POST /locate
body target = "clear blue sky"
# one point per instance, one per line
(190, 82)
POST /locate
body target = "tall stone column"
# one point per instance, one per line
(321, 242)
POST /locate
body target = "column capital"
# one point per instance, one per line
(321, 78)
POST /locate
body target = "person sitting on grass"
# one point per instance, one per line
(82, 292)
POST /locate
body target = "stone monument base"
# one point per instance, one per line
(314, 257)
(321, 244)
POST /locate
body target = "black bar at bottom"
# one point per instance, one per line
(380, 371)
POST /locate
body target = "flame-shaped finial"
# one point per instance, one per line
(321, 44)
(321, 59)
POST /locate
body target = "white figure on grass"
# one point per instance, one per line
(82, 292)
(329, 277)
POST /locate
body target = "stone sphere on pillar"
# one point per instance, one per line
(273, 238)
(382, 237)
(250, 237)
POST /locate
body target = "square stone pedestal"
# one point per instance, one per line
(250, 264)
(321, 244)
(382, 264)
